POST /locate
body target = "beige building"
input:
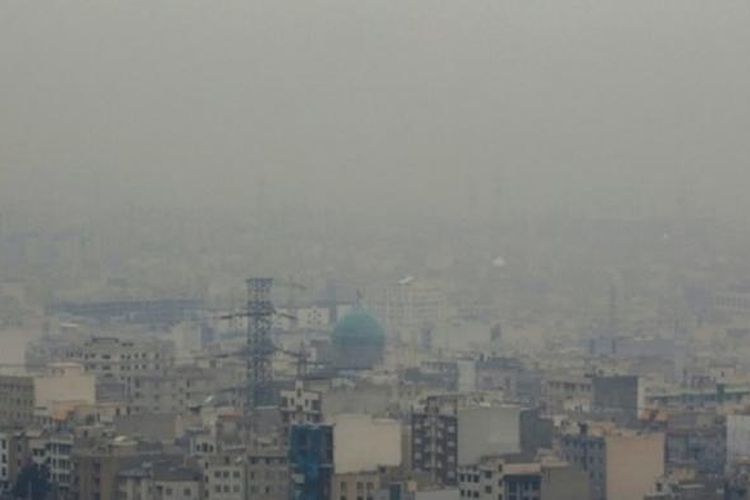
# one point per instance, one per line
(621, 464)
(27, 397)
(384, 445)
(64, 383)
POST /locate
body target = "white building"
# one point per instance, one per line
(300, 405)
(309, 317)
(408, 306)
(738, 439)
(119, 359)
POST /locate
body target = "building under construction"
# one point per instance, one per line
(311, 461)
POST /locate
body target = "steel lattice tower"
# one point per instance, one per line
(259, 317)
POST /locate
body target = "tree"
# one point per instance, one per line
(32, 483)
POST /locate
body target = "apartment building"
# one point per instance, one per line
(173, 391)
(521, 477)
(300, 405)
(97, 463)
(448, 431)
(160, 482)
(116, 359)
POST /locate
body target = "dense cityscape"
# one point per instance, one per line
(374, 250)
(465, 379)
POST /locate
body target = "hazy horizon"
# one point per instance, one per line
(621, 108)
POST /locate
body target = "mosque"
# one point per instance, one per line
(358, 341)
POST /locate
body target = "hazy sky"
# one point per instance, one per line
(420, 104)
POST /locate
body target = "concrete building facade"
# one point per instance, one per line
(384, 445)
(448, 431)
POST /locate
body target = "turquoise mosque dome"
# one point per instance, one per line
(358, 327)
(358, 341)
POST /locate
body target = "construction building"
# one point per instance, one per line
(311, 461)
